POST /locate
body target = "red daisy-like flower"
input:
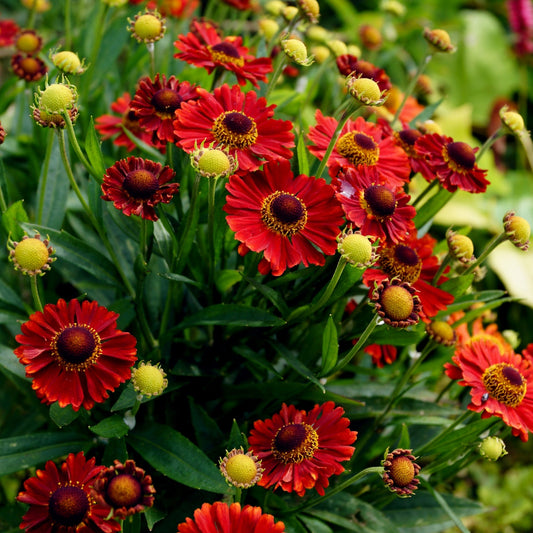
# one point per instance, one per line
(205, 48)
(61, 500)
(174, 8)
(375, 207)
(292, 220)
(8, 31)
(239, 122)
(221, 516)
(110, 125)
(381, 354)
(412, 260)
(155, 103)
(137, 185)
(360, 144)
(299, 450)
(453, 163)
(502, 384)
(29, 68)
(74, 353)
(348, 65)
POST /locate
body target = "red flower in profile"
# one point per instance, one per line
(360, 144)
(8, 31)
(74, 353)
(501, 384)
(240, 122)
(454, 163)
(376, 208)
(155, 103)
(292, 220)
(137, 185)
(204, 48)
(299, 450)
(381, 354)
(61, 500)
(110, 125)
(412, 261)
(230, 518)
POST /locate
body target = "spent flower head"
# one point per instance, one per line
(149, 380)
(32, 256)
(397, 303)
(400, 471)
(517, 230)
(28, 42)
(242, 470)
(56, 98)
(441, 332)
(147, 26)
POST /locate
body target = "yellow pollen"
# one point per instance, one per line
(241, 468)
(283, 213)
(31, 254)
(358, 148)
(219, 56)
(294, 443)
(505, 384)
(243, 132)
(397, 302)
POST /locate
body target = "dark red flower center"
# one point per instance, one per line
(141, 184)
(380, 201)
(295, 442)
(227, 49)
(359, 148)
(238, 123)
(76, 344)
(68, 506)
(461, 154)
(400, 261)
(225, 52)
(505, 384)
(409, 136)
(283, 213)
(123, 491)
(30, 65)
(235, 129)
(166, 101)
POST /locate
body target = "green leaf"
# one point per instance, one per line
(63, 416)
(237, 438)
(126, 399)
(207, 433)
(303, 161)
(23, 451)
(179, 278)
(432, 207)
(272, 295)
(225, 279)
(12, 218)
(330, 347)
(153, 516)
(10, 362)
(458, 286)
(94, 151)
(177, 457)
(111, 427)
(232, 314)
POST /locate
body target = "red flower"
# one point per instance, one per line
(137, 185)
(243, 5)
(502, 384)
(520, 15)
(376, 208)
(454, 163)
(410, 110)
(300, 450)
(28, 67)
(381, 353)
(156, 101)
(174, 8)
(8, 31)
(349, 64)
(360, 144)
(412, 261)
(221, 516)
(61, 500)
(240, 122)
(204, 47)
(74, 353)
(290, 219)
(110, 125)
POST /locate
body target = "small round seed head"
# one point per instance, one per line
(517, 230)
(68, 62)
(492, 448)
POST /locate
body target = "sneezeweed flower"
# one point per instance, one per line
(56, 98)
(230, 518)
(381, 354)
(212, 162)
(68, 62)
(268, 28)
(136, 185)
(147, 27)
(309, 9)
(501, 384)
(365, 90)
(28, 68)
(400, 471)
(126, 488)
(289, 12)
(28, 42)
(274, 7)
(492, 448)
(148, 380)
(242, 5)
(155, 103)
(242, 470)
(406, 139)
(205, 48)
(32, 256)
(237, 121)
(460, 247)
(292, 220)
(441, 332)
(53, 120)
(410, 110)
(61, 499)
(8, 31)
(370, 36)
(337, 46)
(40, 6)
(296, 50)
(453, 163)
(74, 353)
(512, 120)
(439, 40)
(301, 451)
(350, 65)
(356, 248)
(174, 8)
(517, 230)
(397, 303)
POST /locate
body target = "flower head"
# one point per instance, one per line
(28, 42)
(365, 90)
(439, 40)
(310, 9)
(68, 62)
(300, 450)
(62, 499)
(517, 230)
(492, 448)
(230, 518)
(56, 98)
(126, 488)
(297, 51)
(137, 185)
(149, 380)
(9, 30)
(356, 248)
(400, 472)
(292, 220)
(53, 120)
(460, 246)
(32, 256)
(2, 134)
(147, 26)
(441, 332)
(74, 353)
(242, 470)
(213, 162)
(370, 37)
(38, 5)
(397, 303)
(28, 67)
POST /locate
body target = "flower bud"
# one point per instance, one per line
(439, 40)
(147, 27)
(297, 51)
(492, 448)
(149, 380)
(517, 230)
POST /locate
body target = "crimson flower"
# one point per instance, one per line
(74, 353)
(453, 163)
(349, 64)
(240, 122)
(137, 185)
(8, 31)
(501, 384)
(155, 103)
(360, 144)
(205, 48)
(292, 220)
(520, 15)
(299, 450)
(29, 68)
(61, 500)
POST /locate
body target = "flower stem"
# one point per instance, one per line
(212, 185)
(44, 174)
(35, 293)
(68, 27)
(496, 240)
(489, 142)
(444, 263)
(280, 65)
(425, 192)
(77, 149)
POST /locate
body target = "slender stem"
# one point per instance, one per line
(442, 502)
(496, 241)
(35, 293)
(489, 142)
(31, 16)
(444, 263)
(77, 149)
(238, 495)
(280, 65)
(212, 184)
(426, 191)
(3, 203)
(527, 145)
(44, 174)
(151, 51)
(68, 26)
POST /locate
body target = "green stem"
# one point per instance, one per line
(489, 142)
(527, 145)
(442, 502)
(77, 149)
(280, 65)
(68, 27)
(496, 241)
(212, 185)
(31, 16)
(3, 203)
(444, 263)
(35, 293)
(44, 174)
(426, 191)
